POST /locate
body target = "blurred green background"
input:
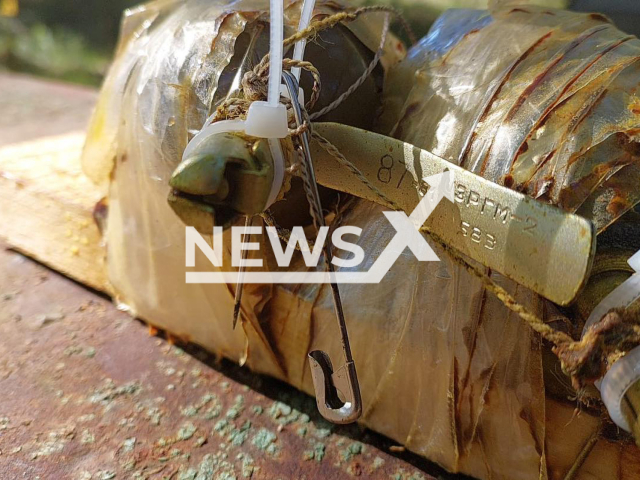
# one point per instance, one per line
(73, 40)
(65, 39)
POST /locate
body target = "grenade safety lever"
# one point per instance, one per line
(538, 245)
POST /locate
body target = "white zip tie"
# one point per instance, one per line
(264, 119)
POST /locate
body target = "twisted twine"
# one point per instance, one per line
(584, 360)
(254, 84)
(283, 233)
(376, 59)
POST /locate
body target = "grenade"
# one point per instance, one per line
(454, 375)
(338, 50)
(515, 94)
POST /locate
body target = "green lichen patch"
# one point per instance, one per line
(377, 463)
(188, 474)
(54, 443)
(129, 444)
(186, 431)
(237, 436)
(248, 467)
(223, 427)
(108, 391)
(153, 414)
(212, 412)
(87, 437)
(189, 411)
(237, 408)
(321, 432)
(403, 475)
(257, 410)
(283, 414)
(206, 469)
(317, 453)
(209, 398)
(263, 439)
(72, 350)
(351, 451)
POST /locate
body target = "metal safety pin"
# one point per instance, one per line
(241, 269)
(337, 392)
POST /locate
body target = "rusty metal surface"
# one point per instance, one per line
(33, 108)
(87, 393)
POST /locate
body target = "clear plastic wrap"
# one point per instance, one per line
(161, 88)
(445, 369)
(542, 101)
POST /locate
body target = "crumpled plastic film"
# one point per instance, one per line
(542, 101)
(444, 368)
(159, 91)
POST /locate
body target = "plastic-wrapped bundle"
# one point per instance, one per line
(176, 61)
(545, 102)
(444, 368)
(542, 101)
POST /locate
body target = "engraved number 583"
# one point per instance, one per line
(476, 235)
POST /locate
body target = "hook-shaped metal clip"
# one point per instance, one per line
(328, 386)
(337, 392)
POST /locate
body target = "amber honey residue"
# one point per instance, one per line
(599, 17)
(618, 205)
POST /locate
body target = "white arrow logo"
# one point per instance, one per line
(407, 236)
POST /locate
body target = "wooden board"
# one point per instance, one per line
(33, 108)
(47, 205)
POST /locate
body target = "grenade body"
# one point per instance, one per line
(541, 101)
(454, 375)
